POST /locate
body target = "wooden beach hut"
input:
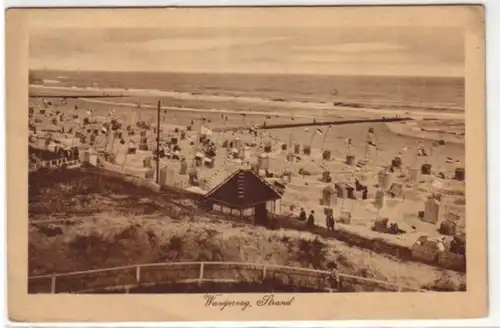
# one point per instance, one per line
(244, 194)
(384, 179)
(340, 187)
(448, 228)
(237, 143)
(397, 162)
(425, 249)
(147, 161)
(460, 174)
(198, 159)
(263, 162)
(268, 147)
(379, 199)
(431, 212)
(350, 160)
(193, 177)
(163, 176)
(132, 148)
(413, 173)
(426, 169)
(328, 196)
(327, 155)
(184, 167)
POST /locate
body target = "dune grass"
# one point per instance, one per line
(120, 224)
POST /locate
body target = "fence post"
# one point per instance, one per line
(202, 268)
(264, 272)
(138, 273)
(53, 284)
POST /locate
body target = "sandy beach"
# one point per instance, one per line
(304, 190)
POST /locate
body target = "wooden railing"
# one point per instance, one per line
(124, 278)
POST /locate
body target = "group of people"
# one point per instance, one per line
(330, 220)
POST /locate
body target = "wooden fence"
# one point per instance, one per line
(124, 278)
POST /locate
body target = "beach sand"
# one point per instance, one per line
(305, 191)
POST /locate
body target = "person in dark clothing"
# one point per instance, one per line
(365, 193)
(330, 222)
(302, 215)
(310, 220)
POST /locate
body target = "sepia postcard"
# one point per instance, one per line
(246, 163)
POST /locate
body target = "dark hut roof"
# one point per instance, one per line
(243, 189)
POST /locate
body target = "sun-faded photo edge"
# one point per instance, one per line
(85, 308)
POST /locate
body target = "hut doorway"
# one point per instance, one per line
(261, 214)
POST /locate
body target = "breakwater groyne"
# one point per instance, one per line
(308, 124)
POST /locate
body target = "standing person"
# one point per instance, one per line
(334, 276)
(302, 215)
(330, 221)
(365, 193)
(310, 220)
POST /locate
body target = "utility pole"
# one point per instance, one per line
(158, 144)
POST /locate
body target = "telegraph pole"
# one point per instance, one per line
(158, 143)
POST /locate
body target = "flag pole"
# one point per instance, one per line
(348, 144)
(125, 160)
(158, 143)
(367, 144)
(311, 140)
(416, 156)
(109, 140)
(324, 138)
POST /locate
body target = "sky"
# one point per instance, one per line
(335, 50)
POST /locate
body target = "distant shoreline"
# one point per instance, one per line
(404, 130)
(354, 111)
